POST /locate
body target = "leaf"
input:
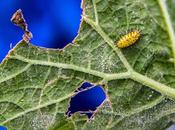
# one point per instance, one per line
(37, 83)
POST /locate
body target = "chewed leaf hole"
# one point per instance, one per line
(87, 100)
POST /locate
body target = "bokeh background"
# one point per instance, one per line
(54, 23)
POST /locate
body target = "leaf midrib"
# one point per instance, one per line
(104, 76)
(162, 88)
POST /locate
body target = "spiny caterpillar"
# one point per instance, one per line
(128, 39)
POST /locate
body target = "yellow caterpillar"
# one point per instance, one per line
(128, 39)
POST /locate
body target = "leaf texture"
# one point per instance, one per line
(36, 84)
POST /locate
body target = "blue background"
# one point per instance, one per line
(53, 23)
(2, 128)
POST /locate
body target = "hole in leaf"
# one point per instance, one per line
(53, 24)
(87, 100)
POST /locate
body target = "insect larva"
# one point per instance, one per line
(128, 39)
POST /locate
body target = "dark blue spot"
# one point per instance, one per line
(86, 100)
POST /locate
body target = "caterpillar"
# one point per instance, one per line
(128, 39)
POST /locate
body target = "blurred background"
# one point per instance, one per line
(53, 24)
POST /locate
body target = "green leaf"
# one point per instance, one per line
(36, 84)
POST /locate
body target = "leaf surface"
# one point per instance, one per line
(36, 84)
